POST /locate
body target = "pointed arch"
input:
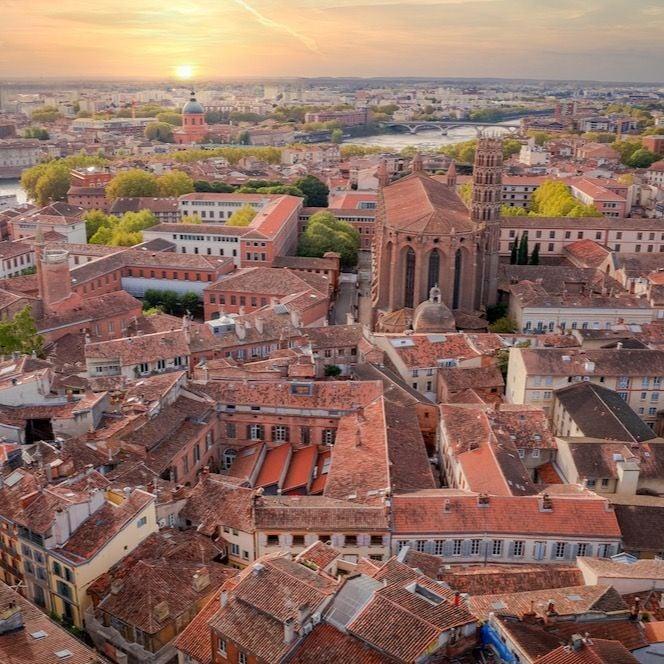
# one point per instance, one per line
(433, 275)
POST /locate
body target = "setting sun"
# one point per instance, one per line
(184, 71)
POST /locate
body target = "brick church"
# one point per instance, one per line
(194, 129)
(430, 249)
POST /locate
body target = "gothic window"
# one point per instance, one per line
(409, 290)
(434, 269)
(458, 264)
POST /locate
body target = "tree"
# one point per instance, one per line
(337, 136)
(242, 217)
(642, 158)
(175, 183)
(534, 257)
(324, 233)
(509, 211)
(522, 253)
(170, 302)
(159, 131)
(53, 185)
(36, 132)
(315, 192)
(504, 325)
(332, 371)
(626, 149)
(170, 117)
(45, 114)
(124, 231)
(554, 199)
(94, 220)
(511, 146)
(51, 176)
(132, 183)
(514, 251)
(20, 334)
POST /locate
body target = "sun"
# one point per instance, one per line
(184, 72)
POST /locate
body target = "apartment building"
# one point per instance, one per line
(637, 375)
(553, 234)
(463, 527)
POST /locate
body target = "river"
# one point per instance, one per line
(423, 139)
(13, 187)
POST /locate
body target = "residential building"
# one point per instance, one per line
(17, 154)
(68, 537)
(27, 635)
(637, 375)
(463, 527)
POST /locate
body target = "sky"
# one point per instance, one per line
(615, 40)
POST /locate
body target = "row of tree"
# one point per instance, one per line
(314, 191)
(519, 252)
(136, 182)
(171, 302)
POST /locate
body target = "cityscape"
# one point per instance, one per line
(331, 332)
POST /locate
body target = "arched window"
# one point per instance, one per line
(458, 264)
(229, 457)
(434, 269)
(409, 286)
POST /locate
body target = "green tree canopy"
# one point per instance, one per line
(20, 334)
(315, 192)
(242, 216)
(45, 114)
(159, 131)
(36, 132)
(175, 183)
(503, 325)
(337, 136)
(511, 146)
(642, 158)
(170, 117)
(554, 199)
(324, 233)
(45, 182)
(132, 183)
(124, 231)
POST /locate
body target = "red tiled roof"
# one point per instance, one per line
(424, 512)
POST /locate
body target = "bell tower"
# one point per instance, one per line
(485, 211)
(487, 180)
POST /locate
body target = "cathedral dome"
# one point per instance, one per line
(433, 315)
(192, 107)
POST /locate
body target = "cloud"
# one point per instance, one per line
(266, 22)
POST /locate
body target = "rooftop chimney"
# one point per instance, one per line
(289, 630)
(11, 618)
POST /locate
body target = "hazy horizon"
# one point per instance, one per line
(594, 41)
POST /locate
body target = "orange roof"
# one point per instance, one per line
(322, 470)
(428, 512)
(274, 465)
(655, 631)
(301, 468)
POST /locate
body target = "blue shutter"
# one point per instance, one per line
(465, 548)
(483, 548)
(552, 555)
(428, 546)
(448, 548)
(511, 549)
(540, 550)
(589, 549)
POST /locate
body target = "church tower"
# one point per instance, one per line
(485, 210)
(487, 180)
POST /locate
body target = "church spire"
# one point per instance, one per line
(487, 180)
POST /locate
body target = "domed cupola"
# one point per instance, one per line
(193, 107)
